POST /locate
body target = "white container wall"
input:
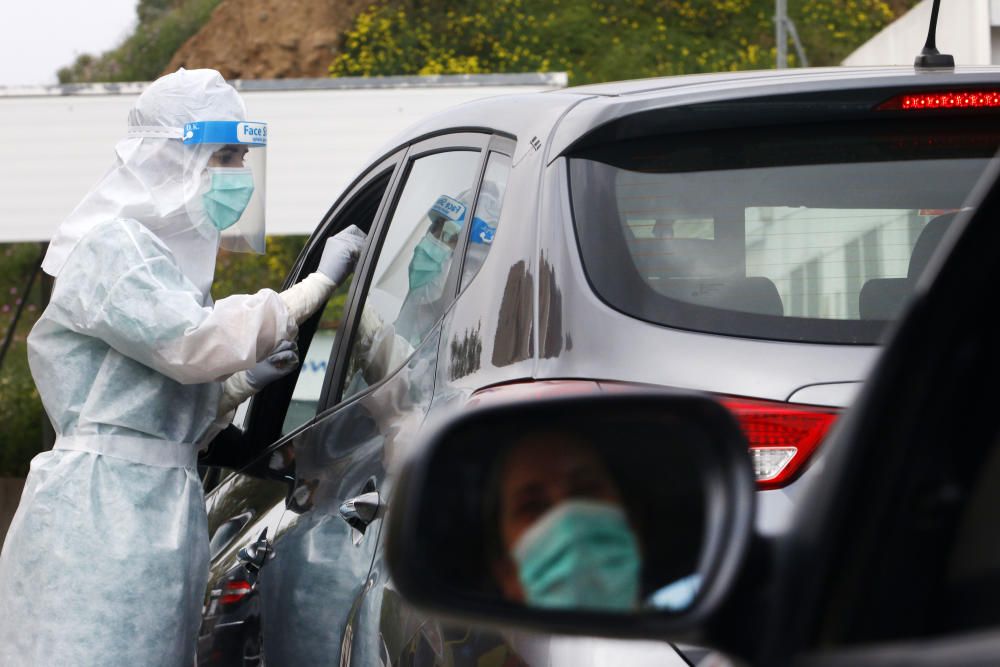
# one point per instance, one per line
(58, 141)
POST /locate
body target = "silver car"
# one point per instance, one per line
(749, 235)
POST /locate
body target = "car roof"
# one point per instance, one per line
(724, 81)
(565, 115)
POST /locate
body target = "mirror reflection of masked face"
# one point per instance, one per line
(564, 534)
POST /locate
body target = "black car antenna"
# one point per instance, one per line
(930, 57)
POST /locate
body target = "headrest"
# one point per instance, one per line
(883, 298)
(928, 241)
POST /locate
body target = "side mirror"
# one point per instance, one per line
(621, 515)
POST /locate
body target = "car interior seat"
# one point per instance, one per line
(883, 298)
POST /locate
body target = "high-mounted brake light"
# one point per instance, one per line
(965, 99)
(782, 436)
(234, 591)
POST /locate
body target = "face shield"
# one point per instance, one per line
(433, 252)
(232, 187)
(446, 216)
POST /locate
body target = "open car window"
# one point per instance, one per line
(317, 337)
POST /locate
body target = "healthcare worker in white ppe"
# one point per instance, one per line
(106, 560)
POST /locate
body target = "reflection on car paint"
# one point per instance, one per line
(513, 340)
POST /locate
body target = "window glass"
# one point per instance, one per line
(314, 361)
(406, 291)
(315, 350)
(487, 215)
(808, 234)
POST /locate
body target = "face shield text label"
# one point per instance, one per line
(251, 133)
(452, 209)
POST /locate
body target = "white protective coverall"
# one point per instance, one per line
(106, 560)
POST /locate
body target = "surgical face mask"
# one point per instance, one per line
(228, 195)
(428, 260)
(580, 555)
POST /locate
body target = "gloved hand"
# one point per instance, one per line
(341, 254)
(282, 360)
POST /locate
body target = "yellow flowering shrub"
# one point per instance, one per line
(594, 40)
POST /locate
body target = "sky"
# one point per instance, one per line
(40, 36)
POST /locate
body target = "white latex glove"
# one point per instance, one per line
(282, 360)
(341, 254)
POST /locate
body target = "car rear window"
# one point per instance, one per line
(811, 233)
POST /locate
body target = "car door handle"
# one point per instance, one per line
(254, 556)
(361, 510)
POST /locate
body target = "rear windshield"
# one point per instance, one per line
(813, 233)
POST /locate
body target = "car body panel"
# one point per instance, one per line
(831, 394)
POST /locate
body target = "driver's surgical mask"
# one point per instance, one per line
(581, 554)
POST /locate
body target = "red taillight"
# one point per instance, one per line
(234, 591)
(966, 99)
(782, 436)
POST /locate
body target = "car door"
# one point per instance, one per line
(246, 507)
(377, 388)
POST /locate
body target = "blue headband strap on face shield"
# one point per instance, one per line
(226, 132)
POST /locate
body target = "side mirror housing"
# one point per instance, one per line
(624, 515)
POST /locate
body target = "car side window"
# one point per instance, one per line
(406, 294)
(487, 215)
(314, 361)
(315, 352)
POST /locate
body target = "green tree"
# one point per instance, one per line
(163, 26)
(595, 40)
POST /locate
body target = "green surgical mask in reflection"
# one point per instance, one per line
(428, 260)
(228, 195)
(581, 554)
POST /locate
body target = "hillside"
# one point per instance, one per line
(269, 39)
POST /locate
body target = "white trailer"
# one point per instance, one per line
(57, 141)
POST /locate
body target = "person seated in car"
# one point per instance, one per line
(562, 537)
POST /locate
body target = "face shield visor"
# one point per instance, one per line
(232, 188)
(432, 254)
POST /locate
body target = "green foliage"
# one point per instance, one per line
(163, 26)
(241, 273)
(594, 40)
(20, 408)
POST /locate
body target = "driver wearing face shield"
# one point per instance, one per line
(137, 369)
